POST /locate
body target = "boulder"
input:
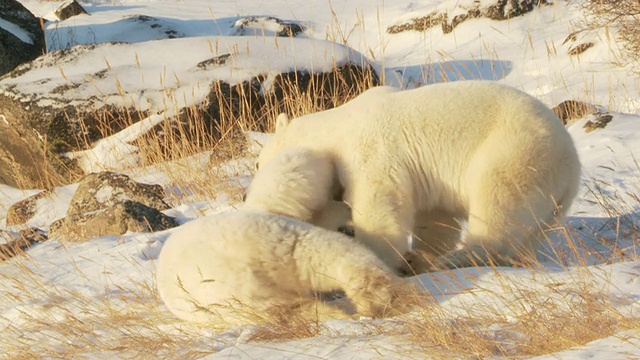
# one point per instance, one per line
(68, 9)
(599, 122)
(114, 220)
(105, 189)
(22, 211)
(265, 26)
(23, 162)
(21, 36)
(450, 18)
(571, 110)
(109, 203)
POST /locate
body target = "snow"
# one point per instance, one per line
(131, 75)
(58, 285)
(17, 31)
(115, 152)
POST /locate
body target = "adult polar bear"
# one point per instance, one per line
(423, 160)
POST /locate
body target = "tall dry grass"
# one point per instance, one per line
(538, 309)
(59, 322)
(621, 16)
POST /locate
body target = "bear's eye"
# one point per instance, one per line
(257, 166)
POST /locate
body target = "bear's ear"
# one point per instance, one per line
(282, 122)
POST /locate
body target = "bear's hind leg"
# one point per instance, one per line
(509, 208)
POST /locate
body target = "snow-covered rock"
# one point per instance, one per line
(21, 35)
(68, 9)
(68, 100)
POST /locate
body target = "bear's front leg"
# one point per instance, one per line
(382, 294)
(328, 261)
(383, 222)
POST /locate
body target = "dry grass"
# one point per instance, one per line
(623, 16)
(216, 126)
(530, 313)
(519, 322)
(59, 322)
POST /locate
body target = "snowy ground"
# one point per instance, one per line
(110, 280)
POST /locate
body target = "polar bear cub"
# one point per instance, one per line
(257, 264)
(251, 266)
(421, 161)
(299, 183)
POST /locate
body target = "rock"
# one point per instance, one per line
(494, 10)
(108, 203)
(69, 8)
(21, 38)
(17, 244)
(600, 122)
(98, 191)
(22, 165)
(27, 161)
(117, 219)
(569, 110)
(22, 211)
(47, 116)
(265, 26)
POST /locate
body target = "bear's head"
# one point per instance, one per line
(297, 183)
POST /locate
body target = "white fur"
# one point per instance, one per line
(249, 266)
(423, 160)
(298, 183)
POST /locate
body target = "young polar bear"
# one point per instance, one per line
(421, 161)
(254, 265)
(299, 183)
(250, 266)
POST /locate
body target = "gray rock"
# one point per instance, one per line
(26, 40)
(109, 203)
(105, 189)
(267, 26)
(570, 110)
(114, 220)
(250, 99)
(599, 122)
(22, 211)
(68, 9)
(497, 10)
(48, 118)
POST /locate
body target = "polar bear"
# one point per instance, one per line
(299, 183)
(263, 262)
(250, 266)
(424, 160)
